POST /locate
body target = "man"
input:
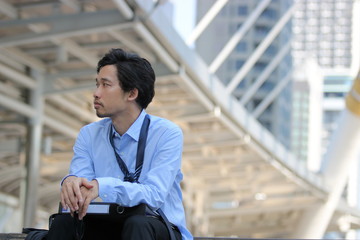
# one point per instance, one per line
(124, 88)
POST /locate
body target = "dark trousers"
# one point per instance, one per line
(136, 227)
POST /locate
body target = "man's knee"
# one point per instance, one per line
(139, 227)
(136, 221)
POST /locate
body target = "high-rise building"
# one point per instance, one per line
(307, 114)
(328, 30)
(323, 29)
(269, 103)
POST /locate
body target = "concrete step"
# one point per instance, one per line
(12, 236)
(19, 236)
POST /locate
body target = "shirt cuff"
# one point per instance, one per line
(106, 191)
(66, 178)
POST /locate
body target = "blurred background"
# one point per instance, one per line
(267, 93)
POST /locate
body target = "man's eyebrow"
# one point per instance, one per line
(102, 79)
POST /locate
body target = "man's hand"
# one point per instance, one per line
(89, 191)
(70, 195)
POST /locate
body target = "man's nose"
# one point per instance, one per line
(96, 93)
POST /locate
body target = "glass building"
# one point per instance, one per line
(276, 115)
(326, 30)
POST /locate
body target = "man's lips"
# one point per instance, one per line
(97, 105)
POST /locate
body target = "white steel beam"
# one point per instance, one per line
(272, 95)
(10, 91)
(208, 104)
(16, 106)
(206, 20)
(265, 74)
(49, 88)
(28, 111)
(74, 73)
(70, 121)
(154, 44)
(260, 50)
(124, 9)
(72, 4)
(240, 211)
(9, 174)
(8, 10)
(129, 43)
(33, 149)
(76, 50)
(17, 77)
(62, 26)
(76, 88)
(60, 127)
(229, 47)
(74, 109)
(25, 59)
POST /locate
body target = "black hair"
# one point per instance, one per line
(132, 72)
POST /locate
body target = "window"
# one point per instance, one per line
(262, 30)
(239, 64)
(270, 51)
(241, 47)
(325, 45)
(242, 10)
(260, 66)
(269, 13)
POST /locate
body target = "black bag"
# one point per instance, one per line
(35, 234)
(103, 217)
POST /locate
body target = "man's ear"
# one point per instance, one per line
(133, 94)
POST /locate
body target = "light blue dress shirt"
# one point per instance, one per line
(159, 182)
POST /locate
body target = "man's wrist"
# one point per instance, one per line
(66, 177)
(96, 183)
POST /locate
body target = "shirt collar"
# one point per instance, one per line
(134, 130)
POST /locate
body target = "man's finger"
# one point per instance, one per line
(87, 184)
(84, 208)
(77, 193)
(72, 198)
(66, 198)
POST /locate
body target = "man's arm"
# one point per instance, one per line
(70, 195)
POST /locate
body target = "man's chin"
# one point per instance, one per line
(101, 115)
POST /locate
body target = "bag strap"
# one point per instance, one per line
(167, 223)
(141, 147)
(128, 176)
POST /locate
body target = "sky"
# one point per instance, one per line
(184, 16)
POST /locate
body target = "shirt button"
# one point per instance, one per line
(105, 195)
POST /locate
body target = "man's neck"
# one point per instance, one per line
(123, 123)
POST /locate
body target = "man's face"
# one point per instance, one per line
(109, 99)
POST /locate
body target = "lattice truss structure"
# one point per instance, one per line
(238, 180)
